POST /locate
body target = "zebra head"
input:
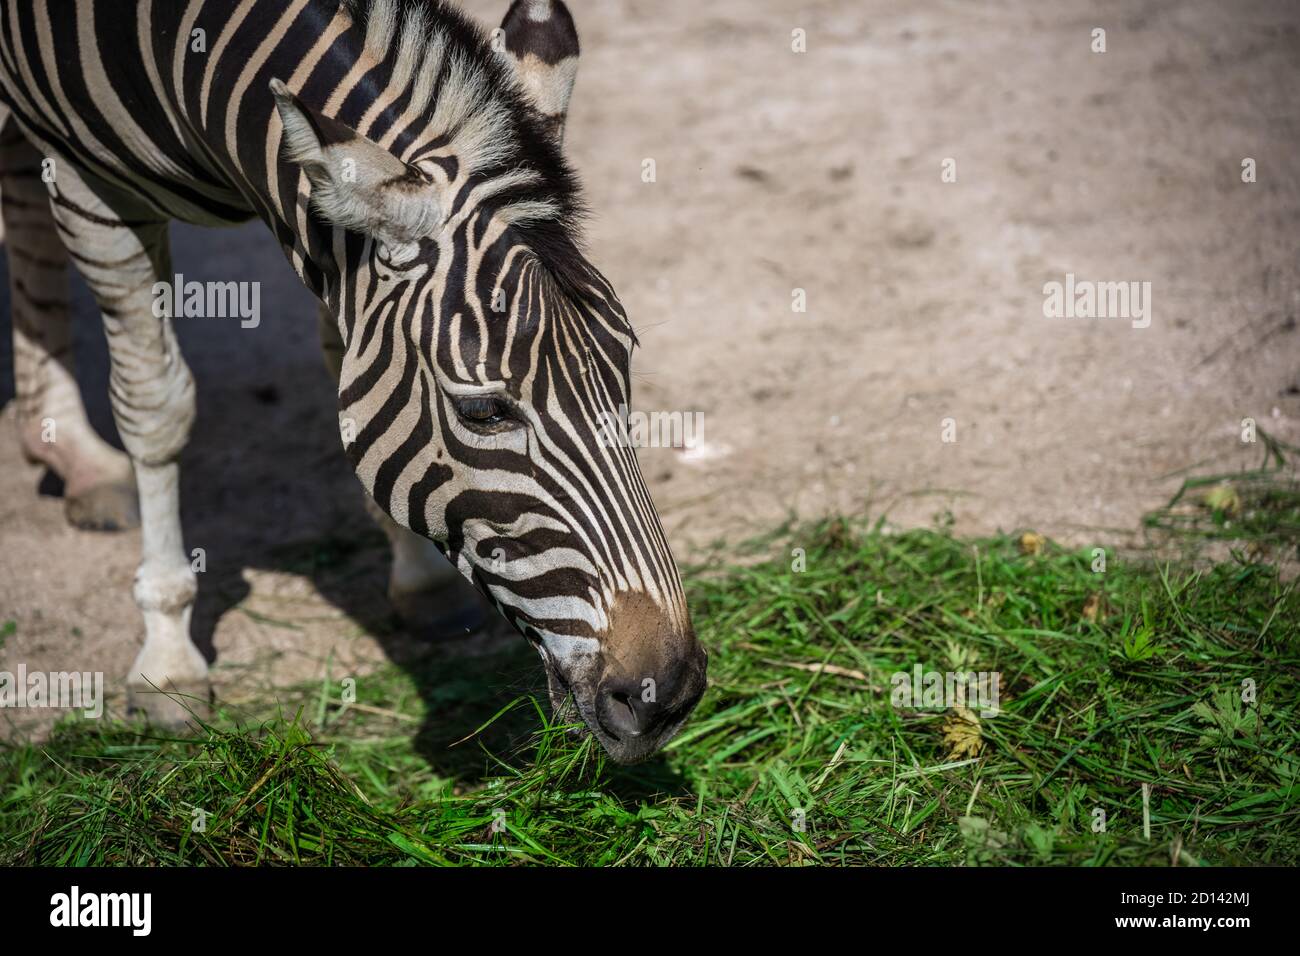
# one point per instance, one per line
(485, 359)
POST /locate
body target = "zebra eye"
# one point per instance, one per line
(482, 410)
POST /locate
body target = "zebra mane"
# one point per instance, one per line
(473, 103)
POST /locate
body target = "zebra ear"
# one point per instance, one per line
(355, 182)
(541, 46)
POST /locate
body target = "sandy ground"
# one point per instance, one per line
(778, 171)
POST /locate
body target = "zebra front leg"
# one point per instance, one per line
(422, 585)
(98, 488)
(122, 251)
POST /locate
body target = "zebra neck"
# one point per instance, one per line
(416, 79)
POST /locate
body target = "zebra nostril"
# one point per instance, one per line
(622, 698)
(622, 712)
(636, 716)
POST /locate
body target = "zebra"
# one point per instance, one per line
(411, 169)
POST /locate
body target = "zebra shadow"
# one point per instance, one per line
(265, 486)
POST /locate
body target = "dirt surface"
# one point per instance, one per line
(778, 171)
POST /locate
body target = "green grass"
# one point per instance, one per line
(1112, 681)
(1259, 506)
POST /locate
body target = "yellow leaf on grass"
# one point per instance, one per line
(1032, 543)
(961, 734)
(1224, 498)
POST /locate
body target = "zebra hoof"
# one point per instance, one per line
(443, 612)
(112, 506)
(178, 707)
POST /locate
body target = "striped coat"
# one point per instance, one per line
(411, 169)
